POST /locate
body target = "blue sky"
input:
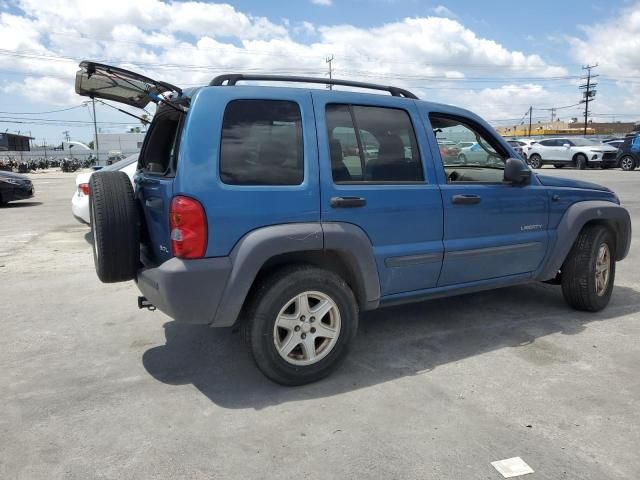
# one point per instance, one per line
(495, 58)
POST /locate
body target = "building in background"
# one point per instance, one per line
(15, 143)
(541, 129)
(124, 143)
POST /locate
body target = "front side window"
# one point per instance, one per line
(262, 143)
(372, 144)
(482, 161)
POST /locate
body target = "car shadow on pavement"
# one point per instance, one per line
(20, 204)
(391, 343)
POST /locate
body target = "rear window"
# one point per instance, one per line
(262, 143)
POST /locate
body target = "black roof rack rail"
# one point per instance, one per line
(233, 78)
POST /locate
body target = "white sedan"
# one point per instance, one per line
(80, 199)
(578, 152)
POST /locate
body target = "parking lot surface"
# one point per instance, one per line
(92, 387)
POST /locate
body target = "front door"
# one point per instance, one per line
(376, 172)
(492, 229)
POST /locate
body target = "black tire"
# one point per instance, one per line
(557, 165)
(535, 161)
(581, 161)
(115, 226)
(271, 296)
(579, 286)
(627, 163)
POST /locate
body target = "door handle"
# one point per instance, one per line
(348, 202)
(466, 199)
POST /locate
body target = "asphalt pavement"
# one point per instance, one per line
(92, 387)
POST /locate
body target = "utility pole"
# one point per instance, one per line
(553, 115)
(67, 137)
(44, 144)
(95, 131)
(530, 113)
(329, 60)
(589, 92)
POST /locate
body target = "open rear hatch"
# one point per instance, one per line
(97, 80)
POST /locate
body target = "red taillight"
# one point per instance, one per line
(188, 225)
(84, 188)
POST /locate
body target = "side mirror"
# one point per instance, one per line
(566, 145)
(516, 171)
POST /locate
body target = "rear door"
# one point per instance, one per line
(376, 172)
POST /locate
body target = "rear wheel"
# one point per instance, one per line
(115, 227)
(627, 163)
(581, 162)
(589, 271)
(535, 161)
(300, 324)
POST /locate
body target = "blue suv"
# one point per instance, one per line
(286, 211)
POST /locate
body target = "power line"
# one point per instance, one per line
(41, 113)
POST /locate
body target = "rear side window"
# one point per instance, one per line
(372, 144)
(160, 149)
(262, 143)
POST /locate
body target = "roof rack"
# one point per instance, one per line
(233, 78)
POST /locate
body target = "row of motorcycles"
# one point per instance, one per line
(65, 164)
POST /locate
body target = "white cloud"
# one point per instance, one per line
(44, 90)
(443, 11)
(613, 43)
(325, 3)
(187, 43)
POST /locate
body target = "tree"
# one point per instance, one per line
(90, 145)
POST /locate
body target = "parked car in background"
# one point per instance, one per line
(448, 148)
(629, 153)
(14, 186)
(476, 154)
(517, 146)
(525, 144)
(614, 142)
(577, 152)
(80, 199)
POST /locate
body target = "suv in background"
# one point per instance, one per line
(253, 209)
(629, 153)
(576, 152)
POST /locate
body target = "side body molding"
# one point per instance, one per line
(257, 247)
(576, 216)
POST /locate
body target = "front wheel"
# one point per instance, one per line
(627, 163)
(581, 162)
(535, 161)
(300, 324)
(589, 270)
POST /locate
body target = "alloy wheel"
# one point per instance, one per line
(307, 328)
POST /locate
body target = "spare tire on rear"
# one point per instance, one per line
(115, 226)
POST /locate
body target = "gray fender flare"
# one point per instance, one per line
(258, 246)
(577, 215)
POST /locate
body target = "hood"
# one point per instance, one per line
(17, 176)
(549, 181)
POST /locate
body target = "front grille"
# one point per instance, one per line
(609, 156)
